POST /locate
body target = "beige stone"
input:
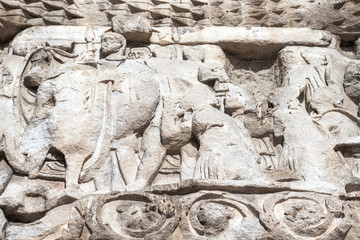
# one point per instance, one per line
(155, 119)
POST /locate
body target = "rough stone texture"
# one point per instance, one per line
(181, 119)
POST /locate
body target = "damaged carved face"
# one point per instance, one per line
(112, 43)
(352, 82)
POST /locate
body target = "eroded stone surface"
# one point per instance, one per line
(179, 119)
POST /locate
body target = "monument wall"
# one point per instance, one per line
(179, 119)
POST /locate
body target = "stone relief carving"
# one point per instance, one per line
(179, 119)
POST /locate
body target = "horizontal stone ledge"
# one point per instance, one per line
(76, 34)
(191, 35)
(250, 43)
(244, 187)
(55, 36)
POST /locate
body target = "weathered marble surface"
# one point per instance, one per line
(179, 119)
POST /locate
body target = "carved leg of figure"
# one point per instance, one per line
(15, 159)
(188, 160)
(270, 149)
(117, 180)
(74, 164)
(6, 173)
(124, 162)
(154, 153)
(269, 163)
(127, 160)
(152, 159)
(288, 158)
(34, 163)
(127, 163)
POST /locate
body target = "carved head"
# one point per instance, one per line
(112, 43)
(40, 66)
(352, 82)
(140, 52)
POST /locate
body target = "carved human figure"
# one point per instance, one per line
(133, 127)
(219, 156)
(77, 143)
(222, 156)
(310, 91)
(343, 124)
(109, 106)
(183, 115)
(113, 46)
(57, 90)
(336, 106)
(87, 56)
(257, 119)
(131, 107)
